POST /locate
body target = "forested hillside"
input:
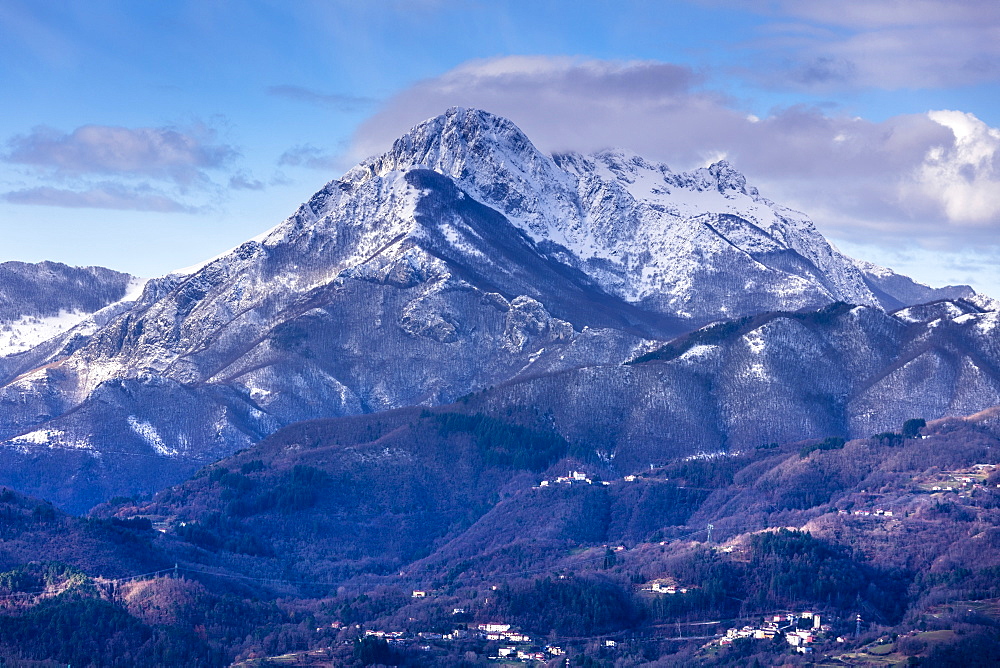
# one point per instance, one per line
(324, 531)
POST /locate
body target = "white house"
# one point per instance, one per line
(494, 628)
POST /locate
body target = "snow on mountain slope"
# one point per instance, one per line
(401, 291)
(41, 301)
(28, 331)
(850, 371)
(642, 231)
(895, 291)
(461, 259)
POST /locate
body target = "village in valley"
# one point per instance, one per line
(800, 630)
(501, 642)
(963, 482)
(511, 644)
(504, 644)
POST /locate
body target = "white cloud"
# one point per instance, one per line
(310, 157)
(243, 181)
(165, 153)
(963, 178)
(871, 14)
(337, 102)
(887, 44)
(561, 102)
(101, 196)
(119, 168)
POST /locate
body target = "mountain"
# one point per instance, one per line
(702, 244)
(849, 371)
(35, 531)
(464, 259)
(40, 301)
(105, 592)
(895, 291)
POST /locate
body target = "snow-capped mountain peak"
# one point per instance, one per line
(641, 230)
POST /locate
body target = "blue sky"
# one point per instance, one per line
(148, 136)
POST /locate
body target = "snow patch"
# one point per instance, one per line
(719, 454)
(755, 342)
(29, 331)
(53, 438)
(148, 433)
(989, 322)
(697, 353)
(457, 240)
(40, 437)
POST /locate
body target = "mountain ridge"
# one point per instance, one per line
(459, 260)
(570, 209)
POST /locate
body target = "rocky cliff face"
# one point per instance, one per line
(461, 259)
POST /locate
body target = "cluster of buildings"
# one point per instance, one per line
(573, 477)
(798, 629)
(403, 636)
(663, 586)
(964, 481)
(582, 477)
(501, 632)
(867, 513)
(491, 631)
(509, 653)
